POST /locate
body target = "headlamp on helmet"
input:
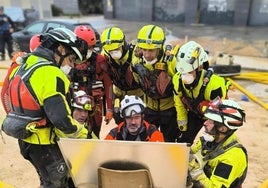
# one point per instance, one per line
(190, 56)
(82, 101)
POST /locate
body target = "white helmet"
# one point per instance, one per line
(131, 105)
(227, 112)
(82, 101)
(190, 56)
(68, 38)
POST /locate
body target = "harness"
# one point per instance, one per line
(83, 77)
(119, 73)
(190, 103)
(156, 82)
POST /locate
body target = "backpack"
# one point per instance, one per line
(26, 114)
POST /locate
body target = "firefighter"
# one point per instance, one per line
(194, 87)
(154, 71)
(92, 76)
(217, 159)
(82, 107)
(39, 101)
(119, 56)
(134, 127)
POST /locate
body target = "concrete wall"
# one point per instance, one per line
(209, 12)
(43, 6)
(136, 10)
(67, 6)
(169, 10)
(258, 13)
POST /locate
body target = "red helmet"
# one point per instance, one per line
(34, 42)
(86, 33)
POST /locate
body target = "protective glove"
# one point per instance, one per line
(196, 161)
(116, 105)
(81, 132)
(196, 165)
(196, 174)
(108, 116)
(182, 124)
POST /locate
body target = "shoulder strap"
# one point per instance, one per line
(200, 96)
(220, 151)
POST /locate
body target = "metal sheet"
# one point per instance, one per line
(167, 162)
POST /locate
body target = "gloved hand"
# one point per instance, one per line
(196, 161)
(108, 116)
(116, 105)
(81, 132)
(182, 124)
(196, 165)
(196, 174)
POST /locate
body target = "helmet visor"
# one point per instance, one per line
(131, 110)
(84, 102)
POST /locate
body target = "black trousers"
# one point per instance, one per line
(49, 164)
(6, 39)
(166, 120)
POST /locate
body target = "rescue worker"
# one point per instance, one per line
(92, 76)
(119, 54)
(39, 101)
(194, 87)
(82, 107)
(154, 71)
(6, 29)
(218, 159)
(134, 127)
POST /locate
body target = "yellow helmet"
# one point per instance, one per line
(151, 37)
(112, 38)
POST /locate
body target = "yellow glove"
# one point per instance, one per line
(81, 132)
(108, 116)
(196, 165)
(196, 161)
(182, 124)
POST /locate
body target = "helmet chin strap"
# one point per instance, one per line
(218, 132)
(62, 57)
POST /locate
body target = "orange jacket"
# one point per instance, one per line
(148, 132)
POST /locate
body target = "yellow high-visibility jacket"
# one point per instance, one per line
(50, 87)
(227, 167)
(216, 87)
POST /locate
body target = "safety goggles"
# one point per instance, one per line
(84, 101)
